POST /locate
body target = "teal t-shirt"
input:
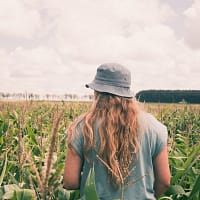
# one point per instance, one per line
(153, 137)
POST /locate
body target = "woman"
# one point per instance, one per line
(127, 146)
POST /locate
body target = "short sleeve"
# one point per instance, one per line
(78, 141)
(161, 140)
(158, 134)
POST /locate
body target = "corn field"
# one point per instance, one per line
(33, 149)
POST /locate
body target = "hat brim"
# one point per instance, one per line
(119, 91)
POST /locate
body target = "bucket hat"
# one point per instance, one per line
(112, 78)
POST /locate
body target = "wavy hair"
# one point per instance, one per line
(118, 128)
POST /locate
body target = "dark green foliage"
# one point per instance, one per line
(169, 96)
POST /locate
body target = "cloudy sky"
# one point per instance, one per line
(49, 46)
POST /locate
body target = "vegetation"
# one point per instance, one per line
(33, 149)
(169, 96)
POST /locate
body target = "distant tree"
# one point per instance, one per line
(47, 96)
(30, 96)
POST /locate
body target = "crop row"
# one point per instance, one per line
(33, 148)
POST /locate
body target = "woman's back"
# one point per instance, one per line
(139, 185)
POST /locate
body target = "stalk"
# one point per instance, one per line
(50, 154)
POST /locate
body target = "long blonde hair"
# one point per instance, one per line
(117, 133)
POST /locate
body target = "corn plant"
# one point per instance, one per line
(33, 149)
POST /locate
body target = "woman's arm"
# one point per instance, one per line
(162, 172)
(72, 170)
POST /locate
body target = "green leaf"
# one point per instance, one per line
(56, 175)
(4, 168)
(165, 198)
(64, 194)
(23, 194)
(74, 195)
(195, 189)
(90, 188)
(31, 134)
(13, 192)
(175, 190)
(3, 127)
(186, 165)
(9, 191)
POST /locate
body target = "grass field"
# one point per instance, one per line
(33, 148)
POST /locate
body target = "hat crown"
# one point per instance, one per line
(113, 74)
(112, 78)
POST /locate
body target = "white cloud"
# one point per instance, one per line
(69, 39)
(192, 24)
(101, 21)
(18, 21)
(32, 70)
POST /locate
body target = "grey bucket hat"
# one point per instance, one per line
(112, 78)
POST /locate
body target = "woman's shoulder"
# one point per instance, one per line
(75, 128)
(78, 122)
(148, 122)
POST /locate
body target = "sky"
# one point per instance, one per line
(55, 47)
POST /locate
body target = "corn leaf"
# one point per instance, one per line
(9, 191)
(195, 189)
(90, 188)
(64, 194)
(186, 165)
(4, 169)
(31, 134)
(175, 190)
(23, 194)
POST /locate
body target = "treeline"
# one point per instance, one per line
(169, 96)
(46, 97)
